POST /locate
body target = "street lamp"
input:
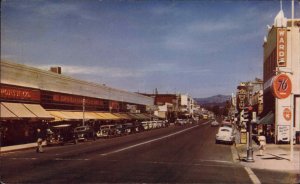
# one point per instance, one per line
(250, 122)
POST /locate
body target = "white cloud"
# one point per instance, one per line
(211, 27)
(57, 10)
(95, 71)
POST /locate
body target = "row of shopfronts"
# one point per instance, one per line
(277, 99)
(19, 121)
(30, 100)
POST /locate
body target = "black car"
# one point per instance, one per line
(84, 133)
(120, 129)
(60, 134)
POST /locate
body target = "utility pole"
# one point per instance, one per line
(83, 111)
(292, 95)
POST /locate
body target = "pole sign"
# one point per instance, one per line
(287, 114)
(281, 86)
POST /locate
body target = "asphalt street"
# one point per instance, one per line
(177, 154)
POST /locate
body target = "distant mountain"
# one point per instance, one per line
(219, 100)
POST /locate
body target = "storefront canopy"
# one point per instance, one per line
(108, 116)
(59, 116)
(78, 115)
(122, 116)
(6, 114)
(39, 111)
(267, 119)
(135, 116)
(142, 116)
(19, 110)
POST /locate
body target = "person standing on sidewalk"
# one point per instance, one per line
(39, 141)
(262, 144)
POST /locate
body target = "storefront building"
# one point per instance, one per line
(32, 98)
(281, 93)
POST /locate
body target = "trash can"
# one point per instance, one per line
(297, 137)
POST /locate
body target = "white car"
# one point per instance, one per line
(214, 123)
(181, 122)
(225, 134)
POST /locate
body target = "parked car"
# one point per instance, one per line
(60, 134)
(120, 129)
(129, 128)
(180, 122)
(226, 124)
(84, 133)
(145, 125)
(107, 131)
(214, 123)
(225, 134)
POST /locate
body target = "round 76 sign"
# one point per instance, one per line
(281, 86)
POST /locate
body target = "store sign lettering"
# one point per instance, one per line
(76, 100)
(281, 47)
(241, 97)
(114, 105)
(18, 93)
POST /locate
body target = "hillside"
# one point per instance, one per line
(219, 100)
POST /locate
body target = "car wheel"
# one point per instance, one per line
(217, 142)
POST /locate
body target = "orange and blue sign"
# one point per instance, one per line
(281, 86)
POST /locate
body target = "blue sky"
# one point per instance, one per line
(202, 48)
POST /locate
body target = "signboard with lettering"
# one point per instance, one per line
(281, 86)
(241, 98)
(78, 100)
(19, 93)
(283, 133)
(114, 105)
(281, 47)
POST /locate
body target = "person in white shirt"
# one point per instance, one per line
(262, 144)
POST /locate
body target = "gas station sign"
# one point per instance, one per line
(281, 86)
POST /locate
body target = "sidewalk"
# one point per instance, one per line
(275, 157)
(19, 147)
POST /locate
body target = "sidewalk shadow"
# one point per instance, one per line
(262, 157)
(244, 159)
(273, 156)
(277, 157)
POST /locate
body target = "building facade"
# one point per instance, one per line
(281, 72)
(32, 98)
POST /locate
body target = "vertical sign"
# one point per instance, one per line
(241, 98)
(281, 47)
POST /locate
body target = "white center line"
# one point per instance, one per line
(147, 142)
(72, 159)
(252, 176)
(23, 158)
(205, 123)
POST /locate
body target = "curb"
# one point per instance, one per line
(235, 154)
(7, 149)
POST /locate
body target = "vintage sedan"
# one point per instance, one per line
(60, 134)
(106, 131)
(225, 134)
(84, 133)
(214, 123)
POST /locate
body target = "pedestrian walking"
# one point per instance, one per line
(262, 144)
(39, 141)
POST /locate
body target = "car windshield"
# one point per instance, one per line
(225, 130)
(79, 129)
